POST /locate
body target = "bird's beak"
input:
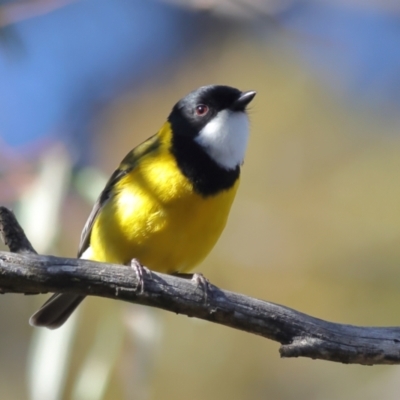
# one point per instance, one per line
(244, 99)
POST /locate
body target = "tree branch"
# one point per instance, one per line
(12, 235)
(300, 335)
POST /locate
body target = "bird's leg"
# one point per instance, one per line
(140, 270)
(200, 280)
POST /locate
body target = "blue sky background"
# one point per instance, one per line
(64, 65)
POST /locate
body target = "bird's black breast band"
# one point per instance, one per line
(207, 177)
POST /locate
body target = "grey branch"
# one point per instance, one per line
(300, 335)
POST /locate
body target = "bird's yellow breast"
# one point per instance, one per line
(154, 215)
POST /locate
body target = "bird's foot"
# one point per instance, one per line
(200, 280)
(140, 271)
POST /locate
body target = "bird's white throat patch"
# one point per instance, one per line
(225, 138)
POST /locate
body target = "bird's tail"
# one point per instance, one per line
(56, 310)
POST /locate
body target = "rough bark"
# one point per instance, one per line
(300, 335)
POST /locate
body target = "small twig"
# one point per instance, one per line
(12, 234)
(300, 335)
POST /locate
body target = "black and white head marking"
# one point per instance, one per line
(216, 118)
(210, 134)
(225, 138)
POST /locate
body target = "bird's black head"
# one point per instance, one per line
(215, 118)
(210, 129)
(202, 105)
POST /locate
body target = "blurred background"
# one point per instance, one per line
(315, 225)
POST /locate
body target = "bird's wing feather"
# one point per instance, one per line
(127, 165)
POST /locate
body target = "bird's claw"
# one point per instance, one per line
(200, 280)
(140, 271)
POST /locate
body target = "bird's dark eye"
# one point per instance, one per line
(201, 110)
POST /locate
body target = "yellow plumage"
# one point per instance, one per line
(168, 202)
(153, 214)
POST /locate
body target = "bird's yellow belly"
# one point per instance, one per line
(168, 230)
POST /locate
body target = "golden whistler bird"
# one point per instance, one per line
(168, 202)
